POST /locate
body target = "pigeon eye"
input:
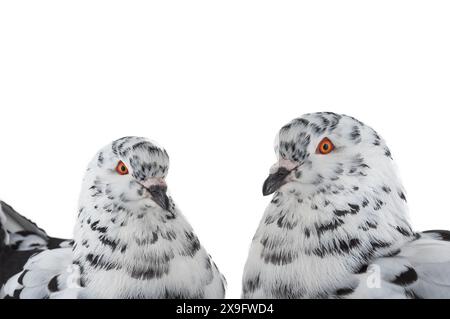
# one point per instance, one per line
(325, 147)
(121, 168)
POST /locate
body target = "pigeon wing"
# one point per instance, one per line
(47, 274)
(21, 234)
(421, 269)
(21, 241)
(11, 221)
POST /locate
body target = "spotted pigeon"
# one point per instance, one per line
(337, 225)
(130, 239)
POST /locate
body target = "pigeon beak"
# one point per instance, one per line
(157, 188)
(279, 177)
(275, 181)
(159, 196)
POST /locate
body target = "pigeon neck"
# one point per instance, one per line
(358, 222)
(132, 244)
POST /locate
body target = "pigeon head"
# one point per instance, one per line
(322, 152)
(128, 174)
(336, 184)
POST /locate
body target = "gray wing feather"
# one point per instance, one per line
(48, 274)
(11, 221)
(420, 270)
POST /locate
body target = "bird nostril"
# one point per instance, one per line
(282, 172)
(157, 188)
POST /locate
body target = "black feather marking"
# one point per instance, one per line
(250, 285)
(53, 284)
(403, 231)
(97, 261)
(355, 134)
(402, 196)
(278, 257)
(285, 223)
(320, 229)
(99, 229)
(100, 159)
(377, 244)
(16, 294)
(108, 242)
(156, 270)
(365, 202)
(341, 247)
(12, 262)
(307, 233)
(56, 242)
(354, 209)
(378, 204)
(444, 234)
(362, 269)
(20, 279)
(388, 153)
(192, 244)
(344, 291)
(406, 278)
(386, 189)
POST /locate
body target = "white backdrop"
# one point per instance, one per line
(213, 81)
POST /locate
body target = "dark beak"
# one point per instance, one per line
(159, 196)
(275, 181)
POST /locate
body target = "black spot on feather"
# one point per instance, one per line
(406, 278)
(53, 284)
(403, 231)
(250, 285)
(20, 279)
(355, 135)
(443, 234)
(344, 291)
(386, 189)
(336, 223)
(362, 269)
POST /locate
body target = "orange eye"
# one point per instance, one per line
(121, 168)
(325, 147)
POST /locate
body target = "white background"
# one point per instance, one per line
(213, 81)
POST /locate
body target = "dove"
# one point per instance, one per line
(338, 223)
(130, 239)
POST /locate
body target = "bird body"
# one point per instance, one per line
(131, 241)
(337, 226)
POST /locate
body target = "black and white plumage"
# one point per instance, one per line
(20, 240)
(131, 241)
(337, 226)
